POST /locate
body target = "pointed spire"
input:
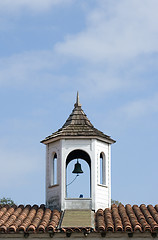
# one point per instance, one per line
(77, 104)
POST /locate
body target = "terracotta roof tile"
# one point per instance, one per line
(55, 217)
(133, 219)
(29, 219)
(45, 220)
(127, 218)
(116, 218)
(6, 216)
(149, 218)
(108, 220)
(20, 219)
(3, 210)
(11, 219)
(141, 218)
(153, 212)
(35, 219)
(156, 207)
(100, 223)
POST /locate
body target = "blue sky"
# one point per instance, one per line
(105, 49)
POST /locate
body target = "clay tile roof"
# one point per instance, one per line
(108, 220)
(100, 223)
(149, 218)
(45, 220)
(14, 219)
(76, 125)
(116, 218)
(55, 217)
(153, 212)
(127, 219)
(141, 218)
(133, 219)
(39, 219)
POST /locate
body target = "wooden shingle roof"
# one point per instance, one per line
(78, 125)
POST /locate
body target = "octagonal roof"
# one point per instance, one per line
(78, 126)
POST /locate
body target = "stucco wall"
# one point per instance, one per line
(78, 236)
(100, 194)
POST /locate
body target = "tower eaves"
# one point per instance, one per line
(78, 125)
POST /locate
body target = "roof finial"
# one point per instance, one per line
(77, 104)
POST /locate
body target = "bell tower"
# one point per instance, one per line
(78, 140)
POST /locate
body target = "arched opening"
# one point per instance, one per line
(53, 179)
(78, 185)
(102, 169)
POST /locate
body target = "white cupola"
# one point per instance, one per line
(80, 142)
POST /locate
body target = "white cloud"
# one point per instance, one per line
(101, 81)
(33, 5)
(140, 108)
(132, 113)
(32, 68)
(116, 30)
(45, 68)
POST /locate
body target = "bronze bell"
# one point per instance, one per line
(77, 168)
